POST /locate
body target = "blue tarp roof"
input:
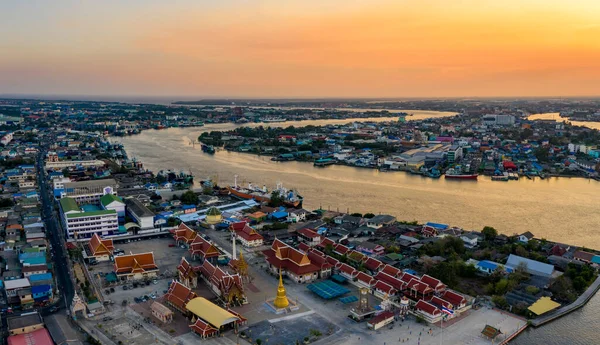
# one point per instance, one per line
(327, 289)
(24, 256)
(35, 260)
(437, 225)
(349, 299)
(338, 278)
(40, 277)
(490, 265)
(40, 288)
(280, 214)
(90, 208)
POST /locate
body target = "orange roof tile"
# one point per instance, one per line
(135, 263)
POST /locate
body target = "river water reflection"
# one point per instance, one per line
(559, 209)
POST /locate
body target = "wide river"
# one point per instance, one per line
(559, 209)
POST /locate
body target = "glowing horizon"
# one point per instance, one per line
(301, 49)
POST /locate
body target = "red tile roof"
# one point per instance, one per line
(341, 249)
(381, 317)
(184, 233)
(385, 287)
(583, 256)
(407, 277)
(318, 260)
(99, 246)
(135, 263)
(427, 307)
(303, 247)
(332, 260)
(438, 301)
(37, 337)
(203, 328)
(349, 270)
(237, 226)
(200, 246)
(179, 295)
(326, 241)
(308, 233)
(365, 278)
(433, 283)
(373, 264)
(248, 233)
(285, 257)
(394, 282)
(419, 286)
(454, 298)
(391, 270)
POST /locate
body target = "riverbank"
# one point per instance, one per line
(411, 197)
(562, 311)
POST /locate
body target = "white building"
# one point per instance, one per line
(59, 182)
(113, 202)
(73, 164)
(140, 213)
(86, 224)
(89, 192)
(498, 120)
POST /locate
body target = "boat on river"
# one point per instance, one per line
(208, 149)
(322, 162)
(290, 197)
(458, 174)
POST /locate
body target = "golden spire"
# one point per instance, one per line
(242, 266)
(281, 300)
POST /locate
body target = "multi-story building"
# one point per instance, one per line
(113, 202)
(89, 192)
(498, 120)
(86, 224)
(140, 213)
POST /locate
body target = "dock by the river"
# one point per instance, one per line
(579, 302)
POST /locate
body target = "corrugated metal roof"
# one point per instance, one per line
(210, 312)
(543, 305)
(533, 267)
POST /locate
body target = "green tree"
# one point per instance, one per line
(276, 199)
(369, 215)
(489, 233)
(541, 153)
(356, 214)
(189, 198)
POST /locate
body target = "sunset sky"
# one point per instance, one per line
(301, 48)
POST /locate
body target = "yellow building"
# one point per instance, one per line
(213, 216)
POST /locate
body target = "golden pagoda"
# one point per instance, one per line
(241, 267)
(281, 300)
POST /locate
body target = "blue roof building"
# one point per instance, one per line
(43, 277)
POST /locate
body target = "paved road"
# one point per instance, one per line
(61, 267)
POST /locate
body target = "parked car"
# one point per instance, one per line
(125, 287)
(154, 281)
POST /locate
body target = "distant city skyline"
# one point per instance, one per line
(189, 49)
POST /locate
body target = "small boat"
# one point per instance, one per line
(322, 162)
(500, 178)
(208, 149)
